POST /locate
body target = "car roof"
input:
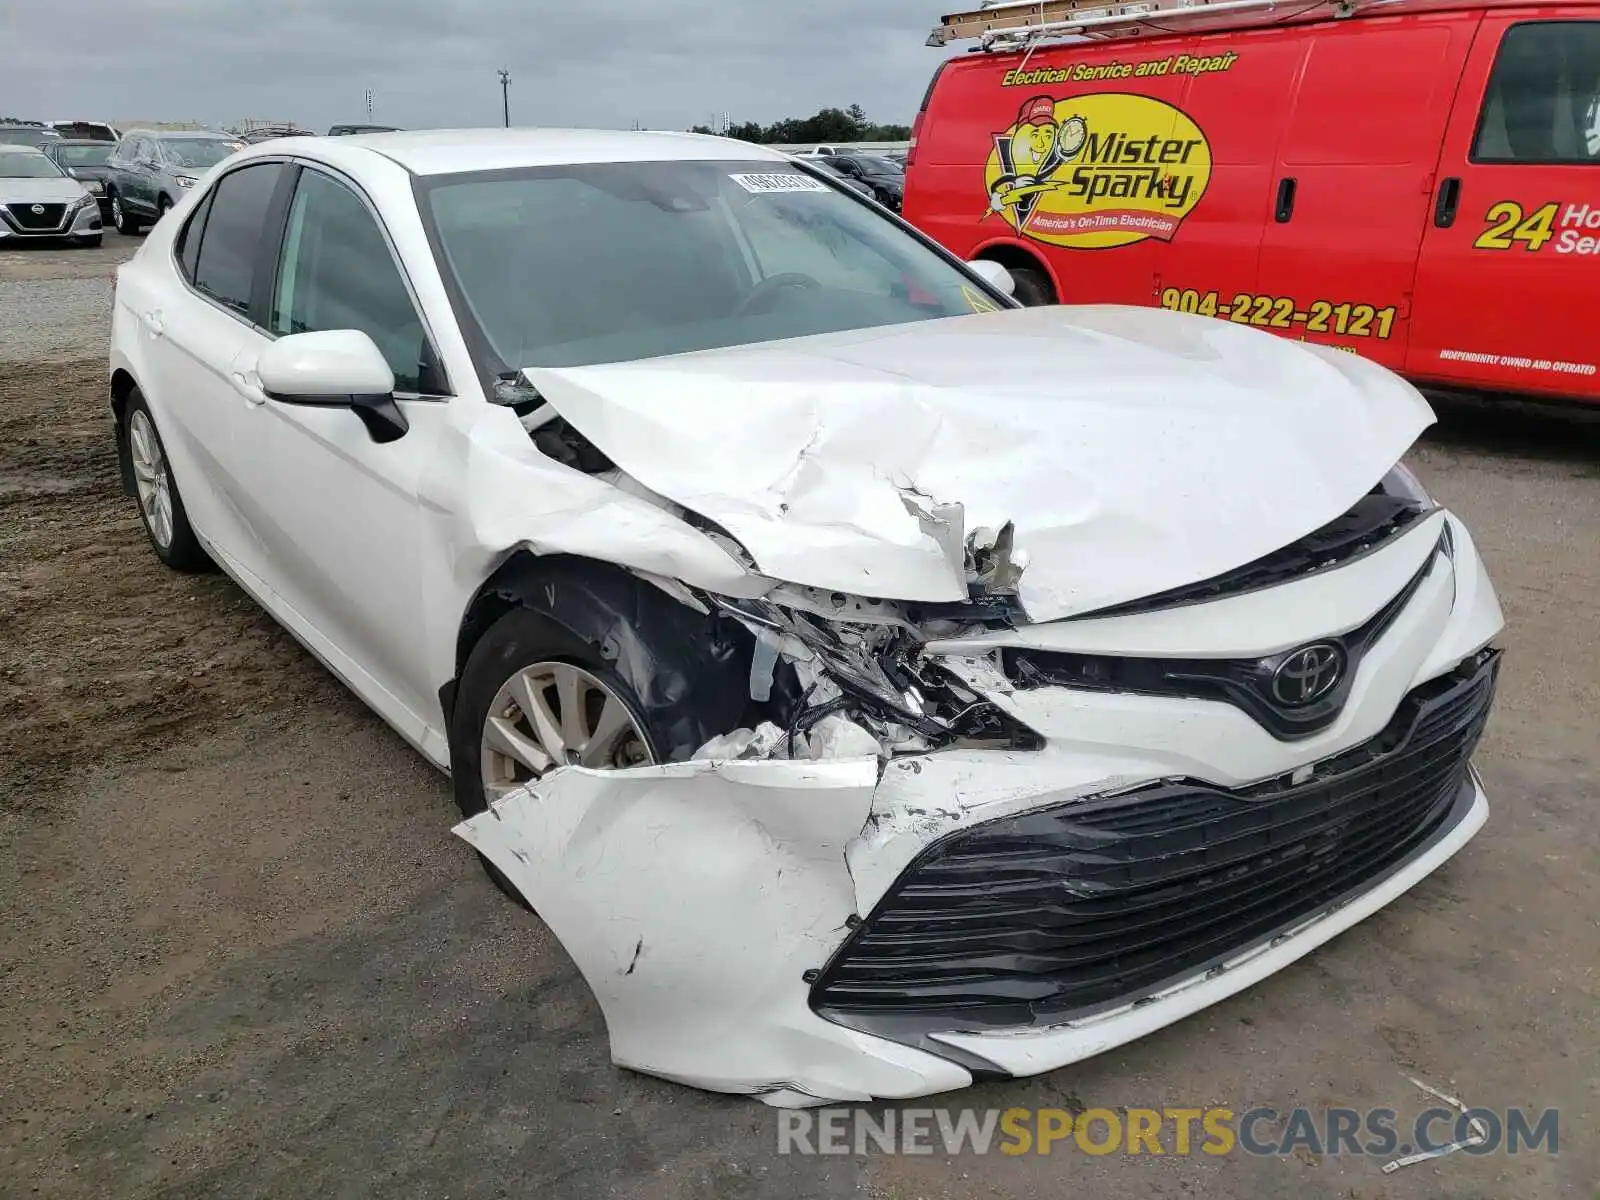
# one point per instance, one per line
(18, 148)
(449, 151)
(209, 134)
(84, 142)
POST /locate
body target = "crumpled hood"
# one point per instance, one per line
(1135, 450)
(58, 190)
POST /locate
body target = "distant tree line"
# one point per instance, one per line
(829, 125)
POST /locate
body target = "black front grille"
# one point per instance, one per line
(1247, 684)
(23, 216)
(1053, 914)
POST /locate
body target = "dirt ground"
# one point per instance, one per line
(243, 955)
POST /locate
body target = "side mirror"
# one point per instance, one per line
(994, 275)
(337, 368)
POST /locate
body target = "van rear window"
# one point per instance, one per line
(1543, 103)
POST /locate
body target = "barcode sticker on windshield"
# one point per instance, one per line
(779, 181)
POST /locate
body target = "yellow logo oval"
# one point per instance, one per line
(1096, 171)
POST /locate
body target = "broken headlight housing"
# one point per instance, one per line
(871, 671)
(1403, 485)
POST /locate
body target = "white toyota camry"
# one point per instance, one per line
(876, 685)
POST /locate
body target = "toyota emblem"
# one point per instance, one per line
(37, 210)
(1308, 674)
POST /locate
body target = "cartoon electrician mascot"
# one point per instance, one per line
(1030, 152)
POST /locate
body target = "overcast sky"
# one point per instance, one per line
(663, 63)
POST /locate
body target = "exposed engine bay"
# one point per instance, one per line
(836, 675)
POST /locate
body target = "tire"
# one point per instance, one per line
(678, 677)
(1033, 287)
(126, 223)
(91, 243)
(166, 522)
(163, 206)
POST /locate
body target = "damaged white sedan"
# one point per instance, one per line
(875, 685)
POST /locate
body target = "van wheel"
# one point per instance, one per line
(1033, 287)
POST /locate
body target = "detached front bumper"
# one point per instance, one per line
(814, 931)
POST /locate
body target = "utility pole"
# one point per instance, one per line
(505, 94)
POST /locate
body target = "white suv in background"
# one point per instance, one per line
(874, 684)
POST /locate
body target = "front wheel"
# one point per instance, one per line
(91, 243)
(163, 206)
(649, 682)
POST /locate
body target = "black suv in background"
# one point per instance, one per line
(884, 176)
(86, 160)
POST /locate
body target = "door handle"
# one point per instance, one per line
(155, 323)
(251, 391)
(1444, 210)
(1285, 206)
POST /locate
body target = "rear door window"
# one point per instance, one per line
(1543, 102)
(226, 264)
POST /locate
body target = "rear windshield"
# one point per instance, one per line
(198, 152)
(16, 165)
(85, 129)
(572, 265)
(84, 156)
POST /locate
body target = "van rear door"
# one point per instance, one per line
(1510, 263)
(1355, 172)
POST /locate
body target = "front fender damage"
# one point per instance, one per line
(698, 898)
(694, 897)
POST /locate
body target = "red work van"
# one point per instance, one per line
(1415, 180)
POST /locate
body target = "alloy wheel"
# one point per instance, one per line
(554, 714)
(151, 478)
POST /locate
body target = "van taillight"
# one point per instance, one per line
(911, 148)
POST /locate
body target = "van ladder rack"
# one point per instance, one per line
(1014, 24)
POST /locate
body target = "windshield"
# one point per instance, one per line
(879, 166)
(197, 152)
(573, 265)
(84, 156)
(16, 165)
